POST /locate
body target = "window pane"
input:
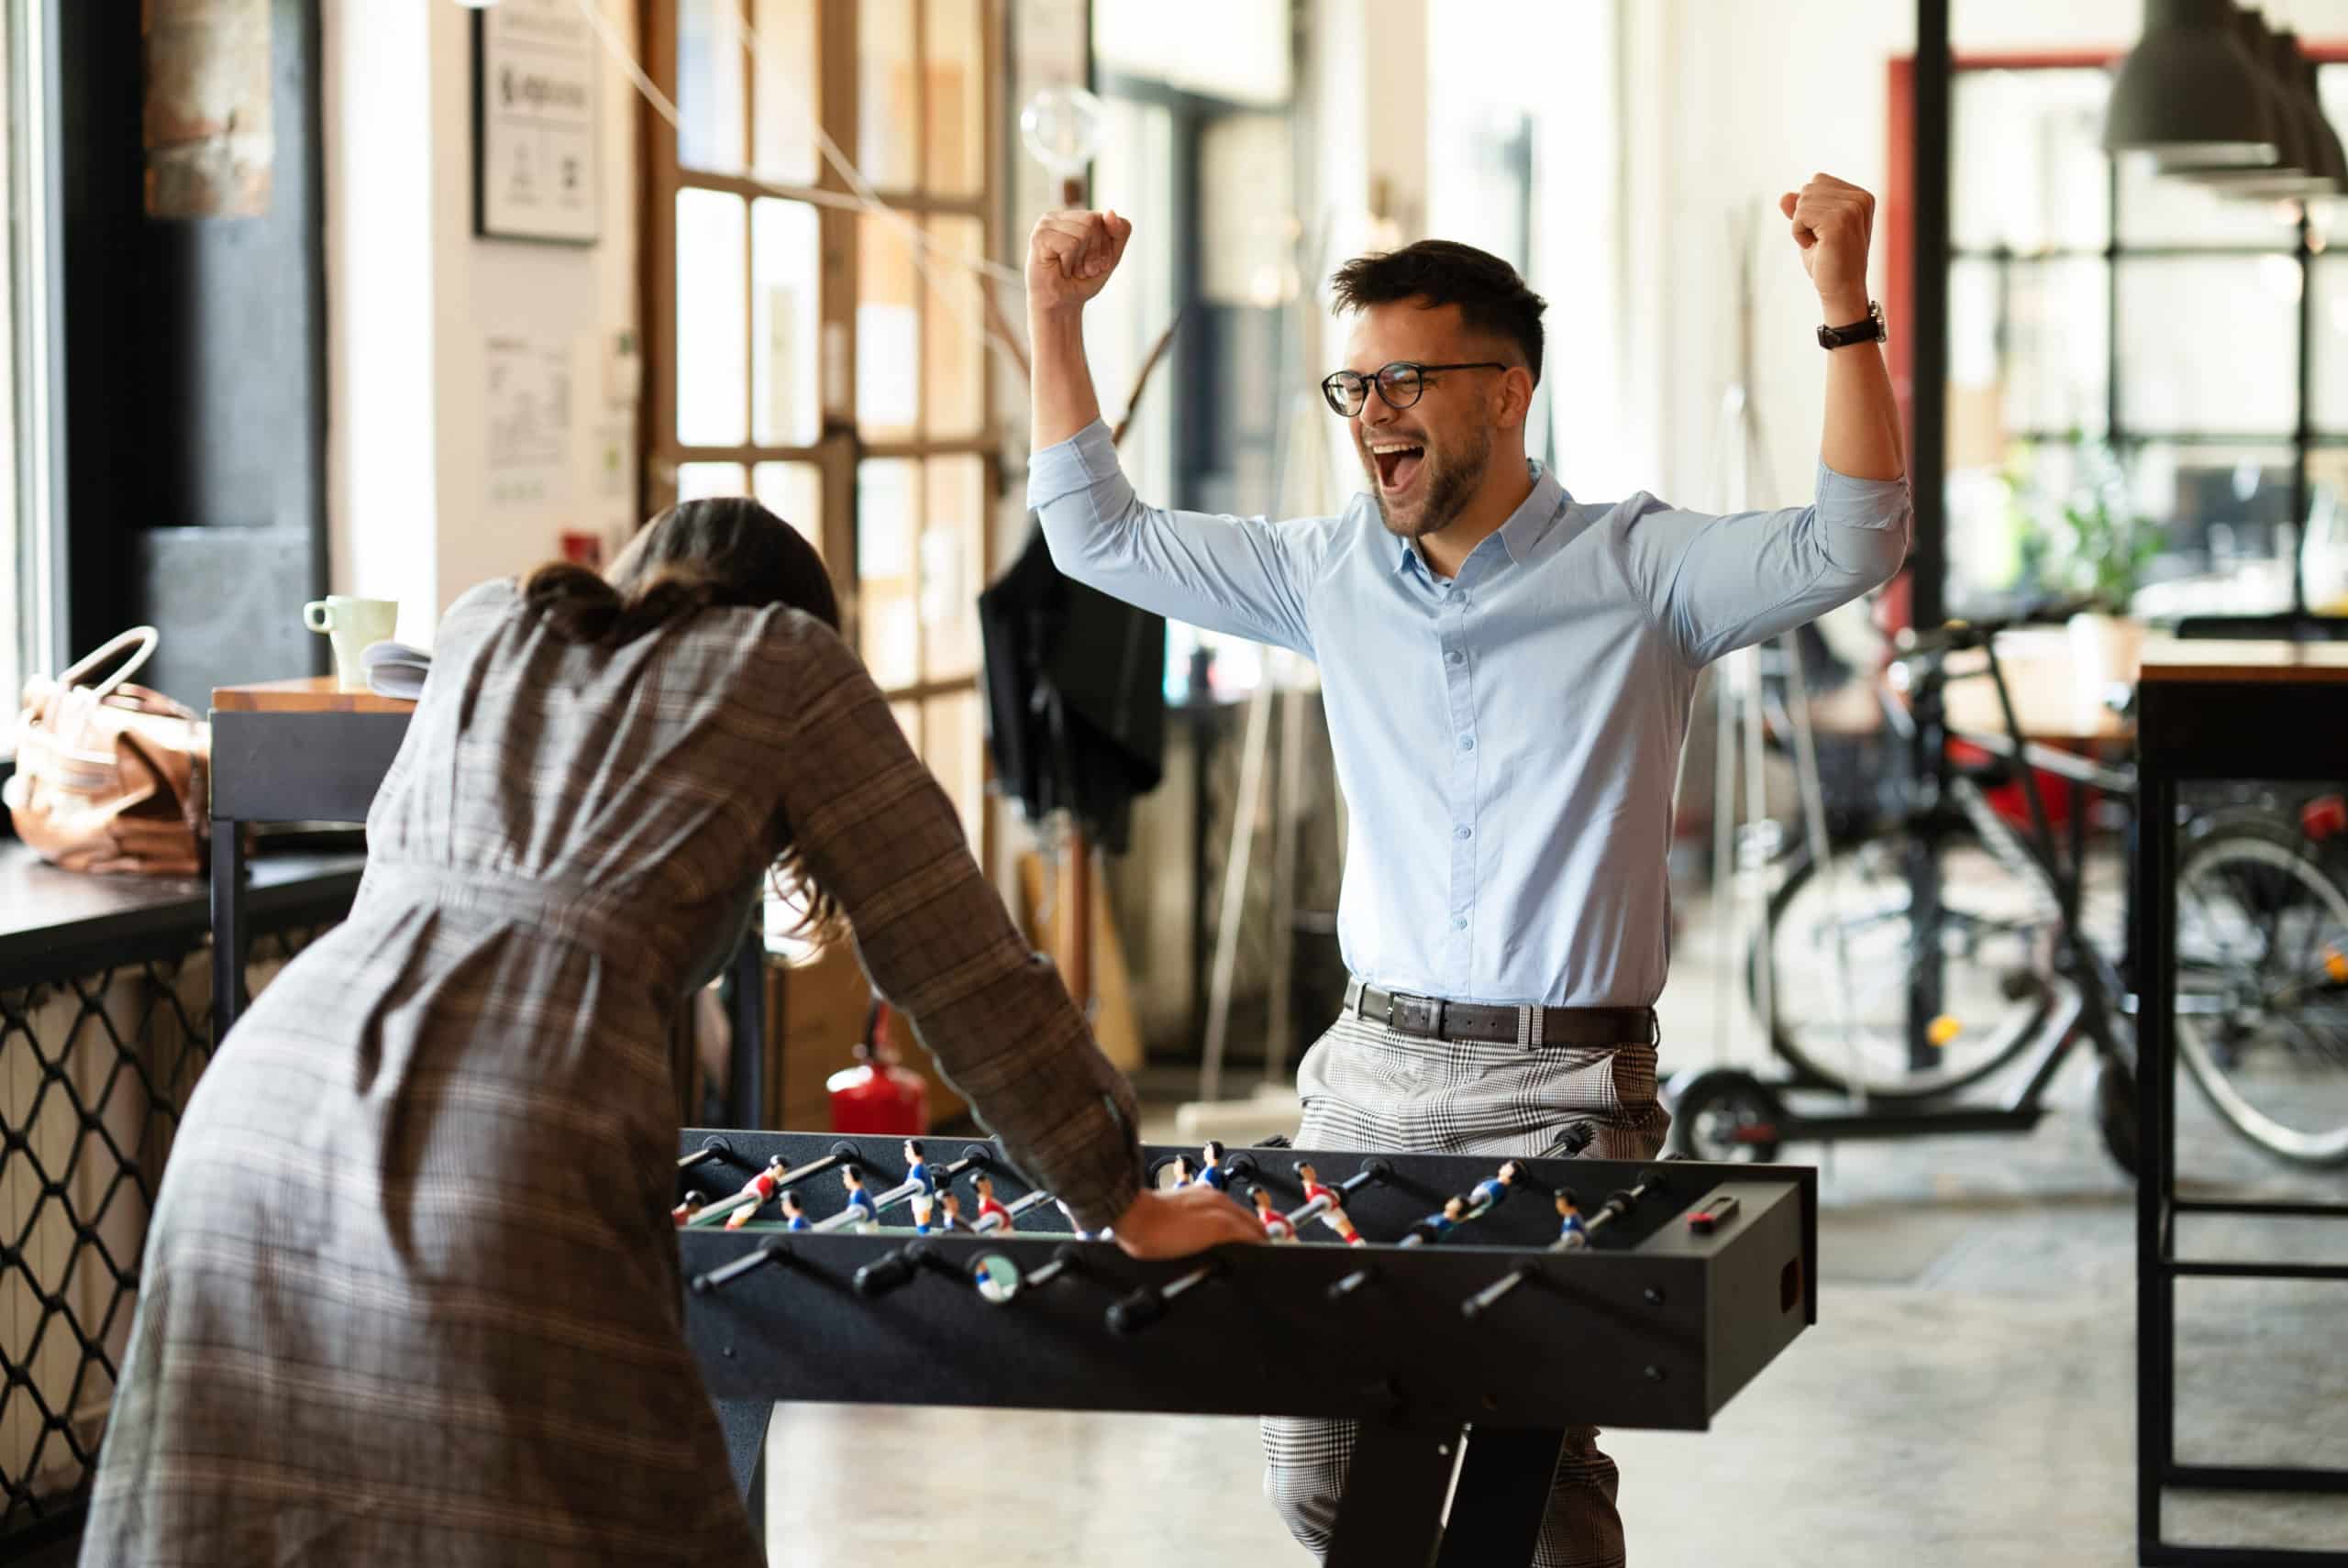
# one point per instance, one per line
(952, 560)
(696, 481)
(888, 111)
(888, 334)
(2328, 346)
(2029, 171)
(709, 86)
(2226, 527)
(908, 717)
(887, 523)
(2029, 351)
(786, 98)
(951, 745)
(2209, 345)
(787, 256)
(713, 364)
(954, 351)
(955, 94)
(2161, 209)
(794, 492)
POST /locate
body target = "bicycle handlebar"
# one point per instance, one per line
(1936, 641)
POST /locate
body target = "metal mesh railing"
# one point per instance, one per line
(95, 1070)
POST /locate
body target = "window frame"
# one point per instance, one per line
(2304, 439)
(840, 448)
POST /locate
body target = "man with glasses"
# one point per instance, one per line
(1507, 673)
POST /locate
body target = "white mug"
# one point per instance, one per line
(351, 624)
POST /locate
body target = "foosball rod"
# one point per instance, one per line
(770, 1253)
(713, 1149)
(1618, 1203)
(712, 1214)
(1146, 1305)
(903, 1191)
(1362, 1276)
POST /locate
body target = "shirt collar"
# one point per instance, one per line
(1525, 527)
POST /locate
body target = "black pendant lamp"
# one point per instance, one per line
(2190, 92)
(2296, 169)
(2324, 168)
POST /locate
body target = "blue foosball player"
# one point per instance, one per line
(794, 1212)
(858, 1199)
(1211, 1170)
(1572, 1232)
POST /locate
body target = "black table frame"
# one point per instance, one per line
(280, 766)
(2194, 730)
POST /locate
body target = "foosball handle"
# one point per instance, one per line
(712, 1148)
(771, 1252)
(892, 1271)
(1131, 1314)
(1351, 1283)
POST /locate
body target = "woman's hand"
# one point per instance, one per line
(1176, 1224)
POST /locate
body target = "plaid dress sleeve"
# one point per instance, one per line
(876, 832)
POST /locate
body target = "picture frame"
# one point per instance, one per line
(537, 124)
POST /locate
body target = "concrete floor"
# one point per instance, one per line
(1967, 1396)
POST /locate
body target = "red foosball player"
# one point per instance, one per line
(1275, 1223)
(1337, 1220)
(950, 1211)
(794, 1212)
(991, 1210)
(765, 1184)
(1313, 1188)
(693, 1204)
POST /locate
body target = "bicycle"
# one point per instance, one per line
(1977, 932)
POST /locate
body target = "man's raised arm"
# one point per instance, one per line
(1227, 574)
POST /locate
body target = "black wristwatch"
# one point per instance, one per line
(1868, 330)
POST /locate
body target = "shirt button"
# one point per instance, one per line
(1455, 657)
(1462, 832)
(1467, 743)
(1460, 924)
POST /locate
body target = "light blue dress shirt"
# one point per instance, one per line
(1507, 740)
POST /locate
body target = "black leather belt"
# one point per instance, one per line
(1433, 1018)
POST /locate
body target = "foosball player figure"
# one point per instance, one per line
(1435, 1226)
(1337, 1220)
(917, 1169)
(858, 1199)
(1313, 1188)
(1275, 1223)
(765, 1184)
(1572, 1230)
(1185, 1173)
(1488, 1193)
(988, 1205)
(692, 1206)
(1211, 1170)
(794, 1212)
(950, 1211)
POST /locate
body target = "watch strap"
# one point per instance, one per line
(1868, 329)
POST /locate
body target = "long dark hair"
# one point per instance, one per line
(723, 552)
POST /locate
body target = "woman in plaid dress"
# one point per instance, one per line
(411, 1291)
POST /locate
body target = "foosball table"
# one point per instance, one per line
(1465, 1310)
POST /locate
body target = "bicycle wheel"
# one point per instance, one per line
(1844, 946)
(2261, 989)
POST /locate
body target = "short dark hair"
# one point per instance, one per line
(1491, 296)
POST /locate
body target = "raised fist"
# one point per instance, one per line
(1071, 256)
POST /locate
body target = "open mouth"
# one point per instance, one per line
(1398, 465)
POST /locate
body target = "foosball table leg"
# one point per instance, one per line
(745, 1421)
(1503, 1493)
(1391, 1513)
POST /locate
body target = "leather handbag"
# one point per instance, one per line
(112, 777)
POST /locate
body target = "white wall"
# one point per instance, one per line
(413, 299)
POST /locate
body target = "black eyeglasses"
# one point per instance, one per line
(1399, 384)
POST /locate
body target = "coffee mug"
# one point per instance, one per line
(351, 624)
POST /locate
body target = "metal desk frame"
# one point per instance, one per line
(2189, 730)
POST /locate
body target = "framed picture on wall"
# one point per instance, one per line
(538, 123)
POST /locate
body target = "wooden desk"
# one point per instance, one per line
(2208, 710)
(309, 751)
(2052, 699)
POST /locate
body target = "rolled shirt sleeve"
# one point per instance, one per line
(1716, 583)
(1244, 576)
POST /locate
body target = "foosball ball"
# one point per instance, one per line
(1448, 1303)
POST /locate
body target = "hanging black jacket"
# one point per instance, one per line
(1076, 696)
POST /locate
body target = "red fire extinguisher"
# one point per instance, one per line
(877, 1095)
